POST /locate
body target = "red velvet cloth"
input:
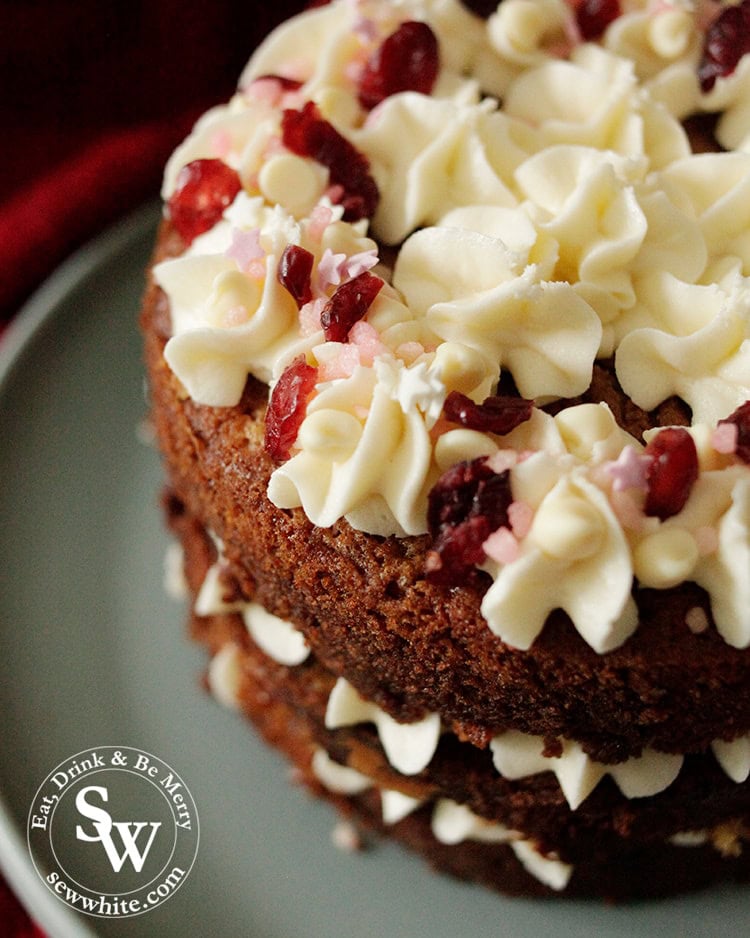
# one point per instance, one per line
(95, 96)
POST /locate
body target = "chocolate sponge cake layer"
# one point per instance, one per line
(369, 614)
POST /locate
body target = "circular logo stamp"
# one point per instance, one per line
(113, 831)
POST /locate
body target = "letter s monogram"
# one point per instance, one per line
(102, 819)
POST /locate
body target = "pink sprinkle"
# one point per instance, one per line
(707, 539)
(357, 264)
(503, 459)
(335, 193)
(342, 366)
(366, 29)
(696, 620)
(628, 471)
(256, 270)
(246, 249)
(724, 438)
(520, 515)
(330, 269)
(353, 71)
(320, 218)
(221, 143)
(309, 317)
(236, 316)
(267, 90)
(409, 352)
(501, 546)
(367, 340)
(360, 411)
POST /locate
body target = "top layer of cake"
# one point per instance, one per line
(548, 213)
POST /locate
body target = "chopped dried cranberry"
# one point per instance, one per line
(741, 419)
(594, 16)
(466, 504)
(294, 271)
(306, 133)
(672, 472)
(499, 414)
(408, 60)
(204, 189)
(348, 305)
(287, 407)
(727, 40)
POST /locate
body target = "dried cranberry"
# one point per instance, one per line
(741, 419)
(499, 414)
(348, 305)
(408, 60)
(294, 271)
(306, 133)
(466, 504)
(727, 40)
(287, 407)
(672, 472)
(204, 189)
(594, 16)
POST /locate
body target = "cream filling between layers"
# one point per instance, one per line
(451, 822)
(410, 747)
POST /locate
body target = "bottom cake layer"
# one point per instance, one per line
(523, 839)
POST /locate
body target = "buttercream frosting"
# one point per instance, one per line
(175, 584)
(549, 211)
(225, 675)
(408, 746)
(734, 757)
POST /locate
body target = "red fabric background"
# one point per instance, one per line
(94, 97)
